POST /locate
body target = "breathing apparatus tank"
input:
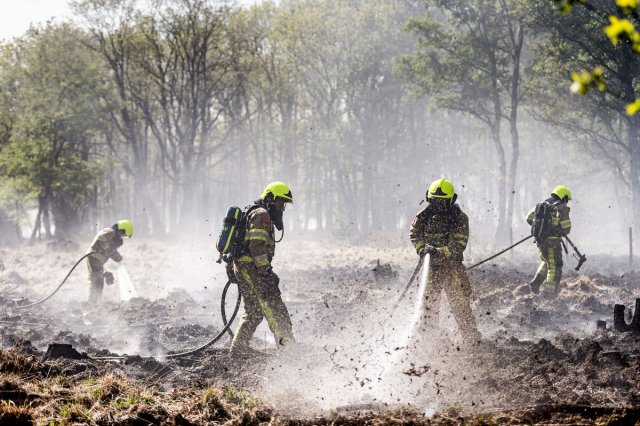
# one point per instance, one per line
(232, 232)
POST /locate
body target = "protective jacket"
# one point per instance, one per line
(447, 231)
(105, 245)
(560, 221)
(259, 238)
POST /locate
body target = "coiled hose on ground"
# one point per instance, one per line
(225, 329)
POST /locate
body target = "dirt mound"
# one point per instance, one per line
(62, 350)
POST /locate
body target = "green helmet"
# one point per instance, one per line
(441, 188)
(277, 189)
(561, 191)
(126, 226)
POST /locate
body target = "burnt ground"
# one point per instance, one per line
(541, 361)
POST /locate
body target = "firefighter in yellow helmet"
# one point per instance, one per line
(549, 222)
(104, 247)
(257, 282)
(442, 231)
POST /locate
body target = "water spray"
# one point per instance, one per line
(413, 277)
(127, 289)
(418, 306)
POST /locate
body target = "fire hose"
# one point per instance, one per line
(61, 284)
(499, 253)
(422, 259)
(225, 329)
(581, 259)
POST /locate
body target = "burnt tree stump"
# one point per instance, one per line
(620, 324)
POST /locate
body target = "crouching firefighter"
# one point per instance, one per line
(104, 247)
(442, 231)
(550, 222)
(252, 270)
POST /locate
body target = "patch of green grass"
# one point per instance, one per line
(134, 399)
(90, 381)
(239, 397)
(62, 381)
(65, 412)
(207, 394)
(71, 413)
(97, 393)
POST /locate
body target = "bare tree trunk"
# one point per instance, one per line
(36, 227)
(513, 128)
(497, 141)
(502, 177)
(634, 143)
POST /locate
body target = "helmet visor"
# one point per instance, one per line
(281, 203)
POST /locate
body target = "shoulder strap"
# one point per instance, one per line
(248, 209)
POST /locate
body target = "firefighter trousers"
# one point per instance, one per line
(95, 269)
(450, 277)
(261, 300)
(550, 269)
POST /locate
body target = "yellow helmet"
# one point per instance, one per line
(277, 189)
(126, 226)
(441, 188)
(561, 191)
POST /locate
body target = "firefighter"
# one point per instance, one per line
(257, 282)
(442, 231)
(549, 239)
(104, 247)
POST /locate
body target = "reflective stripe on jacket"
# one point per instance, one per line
(259, 237)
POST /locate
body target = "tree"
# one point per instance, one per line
(114, 37)
(576, 41)
(621, 28)
(47, 157)
(468, 60)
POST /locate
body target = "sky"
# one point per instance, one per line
(17, 15)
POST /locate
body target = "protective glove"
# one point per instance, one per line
(269, 276)
(108, 278)
(427, 249)
(230, 274)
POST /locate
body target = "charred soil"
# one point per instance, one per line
(542, 360)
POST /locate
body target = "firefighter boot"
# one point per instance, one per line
(535, 283)
(551, 289)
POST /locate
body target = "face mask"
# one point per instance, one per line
(440, 204)
(276, 216)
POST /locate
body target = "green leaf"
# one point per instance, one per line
(634, 107)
